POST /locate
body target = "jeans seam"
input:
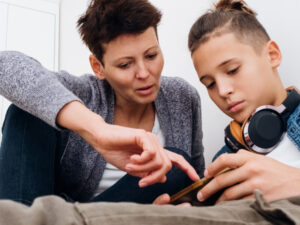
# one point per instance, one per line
(64, 152)
(22, 159)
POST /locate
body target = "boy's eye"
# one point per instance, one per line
(210, 85)
(233, 71)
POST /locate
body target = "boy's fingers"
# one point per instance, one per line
(225, 180)
(227, 160)
(237, 191)
(249, 196)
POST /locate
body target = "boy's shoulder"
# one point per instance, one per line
(293, 126)
(295, 117)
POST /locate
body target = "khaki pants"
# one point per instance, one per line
(52, 210)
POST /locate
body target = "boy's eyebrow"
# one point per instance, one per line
(226, 62)
(221, 64)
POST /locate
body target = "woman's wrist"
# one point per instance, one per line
(77, 117)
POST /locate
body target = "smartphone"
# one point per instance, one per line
(189, 194)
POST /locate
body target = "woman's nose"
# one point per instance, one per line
(142, 71)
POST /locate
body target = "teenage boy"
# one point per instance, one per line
(237, 62)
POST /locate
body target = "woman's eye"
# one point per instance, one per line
(124, 65)
(151, 56)
(233, 71)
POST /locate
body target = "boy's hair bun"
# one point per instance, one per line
(229, 16)
(239, 5)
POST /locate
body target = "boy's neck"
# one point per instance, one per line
(278, 91)
(282, 94)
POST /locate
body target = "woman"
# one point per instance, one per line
(127, 112)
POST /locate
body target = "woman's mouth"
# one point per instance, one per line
(146, 90)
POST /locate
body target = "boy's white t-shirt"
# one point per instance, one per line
(286, 152)
(112, 174)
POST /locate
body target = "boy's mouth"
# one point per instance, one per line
(235, 106)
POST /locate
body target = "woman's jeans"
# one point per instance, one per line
(30, 153)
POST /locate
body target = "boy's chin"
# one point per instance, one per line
(240, 118)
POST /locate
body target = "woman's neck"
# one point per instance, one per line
(135, 115)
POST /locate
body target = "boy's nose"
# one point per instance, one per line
(225, 88)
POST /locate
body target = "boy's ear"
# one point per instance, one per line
(274, 54)
(97, 67)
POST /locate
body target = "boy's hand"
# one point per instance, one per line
(135, 151)
(251, 171)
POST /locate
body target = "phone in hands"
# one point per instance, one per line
(189, 194)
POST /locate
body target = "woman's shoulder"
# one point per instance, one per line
(170, 81)
(178, 88)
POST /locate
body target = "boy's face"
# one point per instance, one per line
(239, 79)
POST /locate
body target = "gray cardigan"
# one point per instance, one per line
(43, 93)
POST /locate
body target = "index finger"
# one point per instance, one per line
(182, 164)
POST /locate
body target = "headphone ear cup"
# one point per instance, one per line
(233, 136)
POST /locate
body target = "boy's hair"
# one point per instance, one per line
(229, 16)
(105, 20)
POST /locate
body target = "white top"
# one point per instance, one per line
(158, 131)
(112, 174)
(286, 152)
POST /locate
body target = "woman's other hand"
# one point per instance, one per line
(165, 199)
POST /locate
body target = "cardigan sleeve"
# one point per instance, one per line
(197, 135)
(42, 93)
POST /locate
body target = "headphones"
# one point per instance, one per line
(264, 128)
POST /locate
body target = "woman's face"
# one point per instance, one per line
(133, 65)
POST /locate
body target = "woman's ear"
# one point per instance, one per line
(97, 67)
(274, 54)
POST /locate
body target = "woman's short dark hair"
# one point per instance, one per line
(229, 16)
(105, 20)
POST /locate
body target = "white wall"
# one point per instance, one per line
(73, 53)
(280, 18)
(29, 26)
